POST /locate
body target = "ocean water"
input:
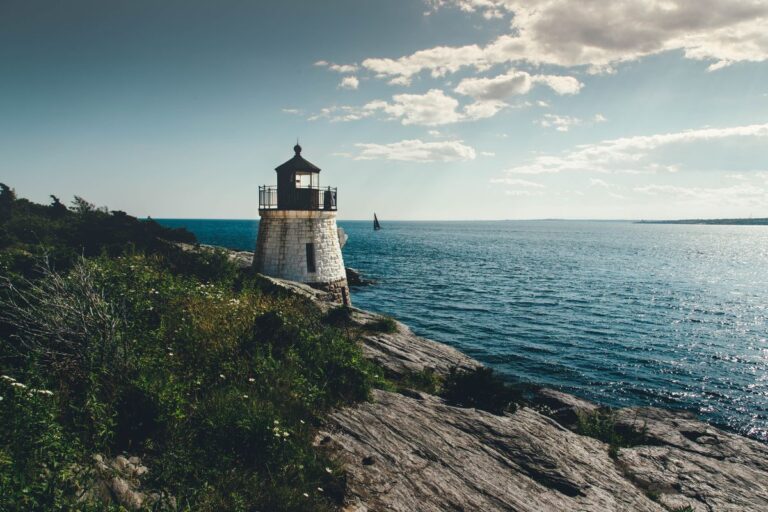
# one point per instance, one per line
(621, 313)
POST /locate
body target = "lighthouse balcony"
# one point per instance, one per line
(299, 198)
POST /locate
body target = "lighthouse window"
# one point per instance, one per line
(311, 258)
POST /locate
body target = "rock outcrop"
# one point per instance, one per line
(418, 453)
(117, 482)
(415, 452)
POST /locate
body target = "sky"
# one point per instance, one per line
(414, 109)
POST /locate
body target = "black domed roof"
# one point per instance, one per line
(297, 163)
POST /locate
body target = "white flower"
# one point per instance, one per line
(251, 380)
(170, 354)
(320, 489)
(286, 434)
(41, 392)
(222, 376)
(8, 378)
(18, 385)
(328, 470)
(245, 396)
(301, 421)
(306, 495)
(276, 422)
(1, 399)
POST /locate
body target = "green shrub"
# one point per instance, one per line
(426, 380)
(340, 316)
(384, 324)
(601, 425)
(482, 389)
(36, 454)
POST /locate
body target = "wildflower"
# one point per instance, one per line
(301, 421)
(1, 399)
(328, 470)
(245, 396)
(286, 434)
(306, 495)
(18, 385)
(41, 392)
(8, 378)
(170, 354)
(222, 376)
(251, 379)
(320, 489)
(276, 422)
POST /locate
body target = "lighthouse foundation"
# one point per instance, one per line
(303, 246)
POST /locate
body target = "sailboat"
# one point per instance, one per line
(376, 225)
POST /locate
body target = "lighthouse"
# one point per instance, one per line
(298, 238)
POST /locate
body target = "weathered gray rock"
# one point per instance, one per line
(117, 481)
(562, 407)
(684, 459)
(403, 352)
(355, 278)
(424, 455)
(416, 453)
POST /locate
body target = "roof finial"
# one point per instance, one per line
(297, 148)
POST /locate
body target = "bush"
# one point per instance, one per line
(482, 389)
(601, 425)
(384, 324)
(340, 316)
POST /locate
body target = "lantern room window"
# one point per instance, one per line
(307, 179)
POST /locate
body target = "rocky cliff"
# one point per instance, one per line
(412, 451)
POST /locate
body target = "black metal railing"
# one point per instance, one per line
(300, 198)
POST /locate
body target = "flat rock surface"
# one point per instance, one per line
(421, 454)
(406, 454)
(402, 351)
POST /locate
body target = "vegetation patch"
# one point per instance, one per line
(214, 380)
(481, 388)
(383, 324)
(601, 425)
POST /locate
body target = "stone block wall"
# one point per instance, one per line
(281, 248)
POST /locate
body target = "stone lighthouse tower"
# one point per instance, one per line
(298, 237)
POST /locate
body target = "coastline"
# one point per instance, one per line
(411, 450)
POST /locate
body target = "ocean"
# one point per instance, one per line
(617, 312)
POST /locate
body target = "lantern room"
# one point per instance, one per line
(298, 187)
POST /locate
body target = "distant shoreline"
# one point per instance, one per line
(720, 222)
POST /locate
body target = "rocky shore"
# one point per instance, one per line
(412, 451)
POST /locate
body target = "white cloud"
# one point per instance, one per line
(349, 82)
(487, 153)
(517, 182)
(559, 123)
(434, 108)
(292, 111)
(430, 109)
(417, 151)
(736, 195)
(339, 68)
(630, 154)
(593, 34)
(560, 84)
(515, 83)
(565, 123)
(498, 87)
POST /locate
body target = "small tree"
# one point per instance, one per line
(58, 210)
(7, 198)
